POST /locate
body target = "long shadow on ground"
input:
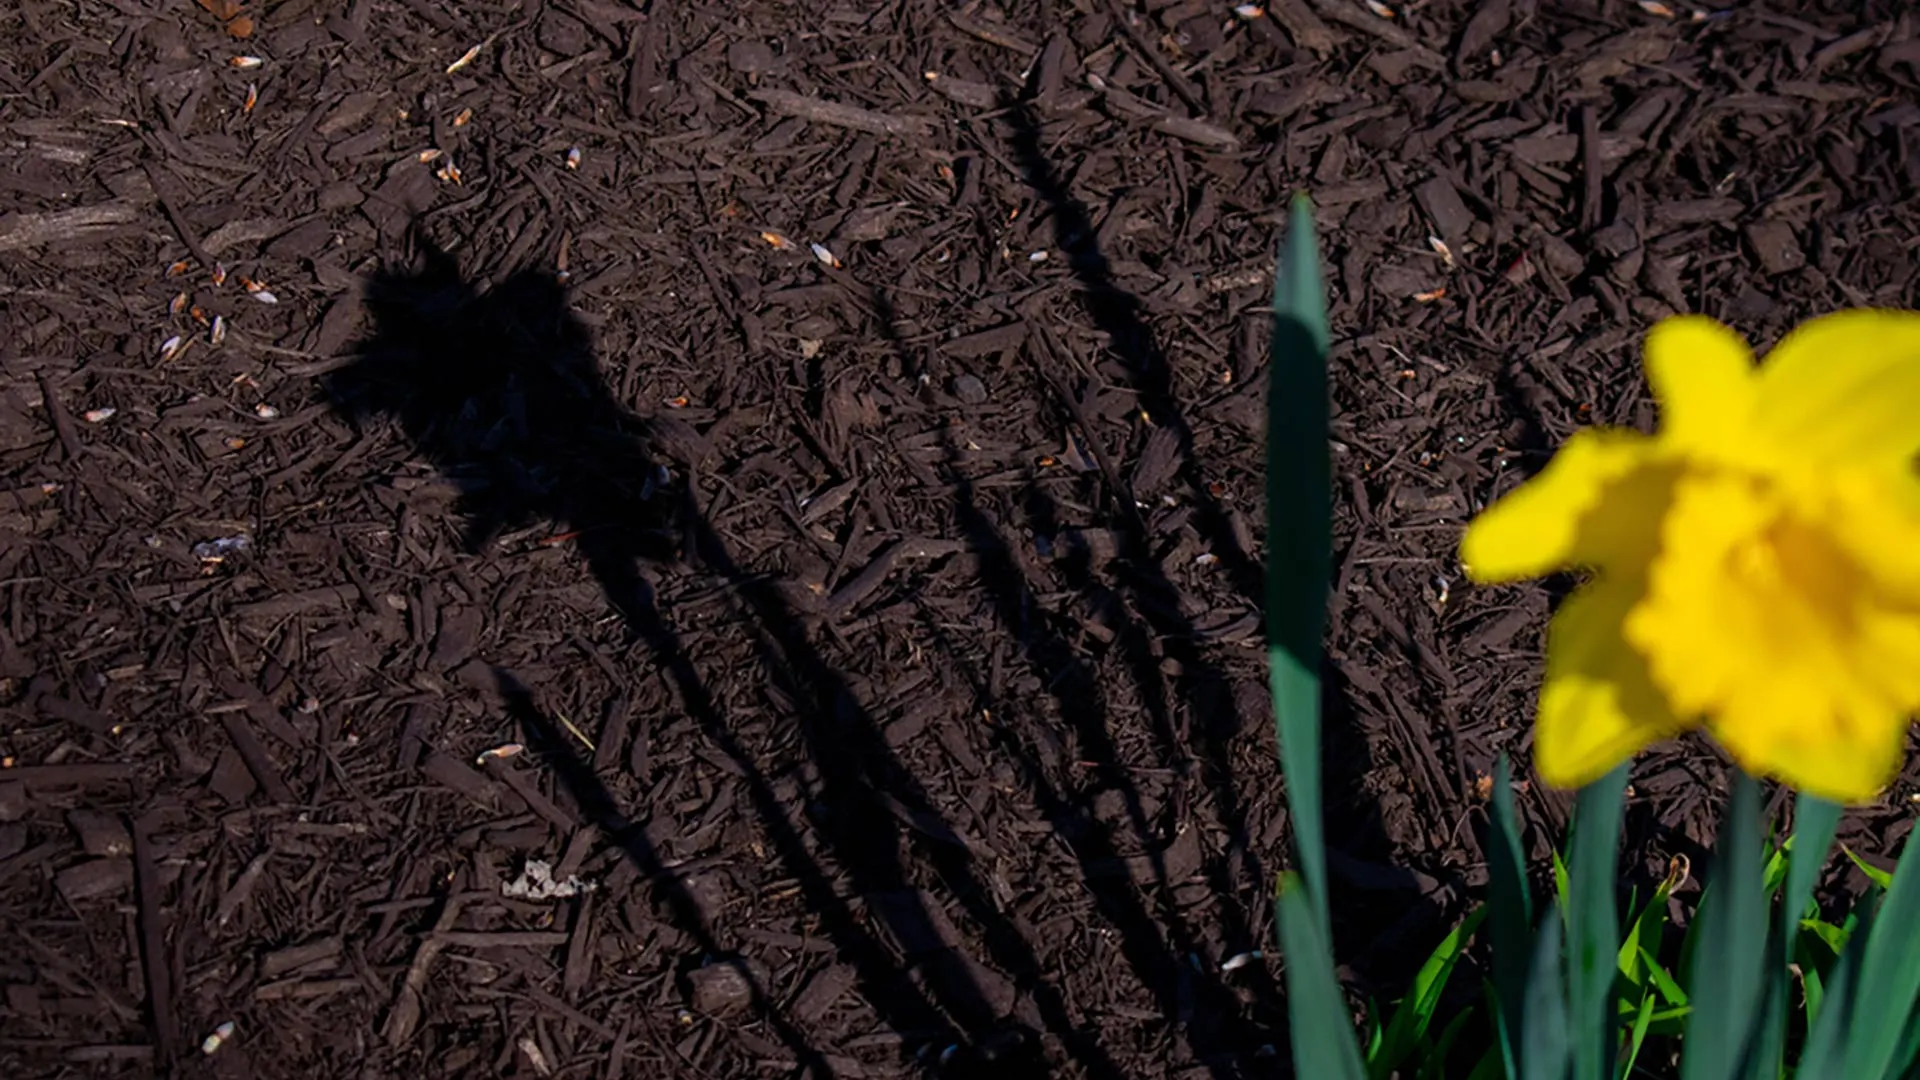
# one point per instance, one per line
(1190, 996)
(1193, 1000)
(500, 391)
(1152, 598)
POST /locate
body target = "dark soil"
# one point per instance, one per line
(875, 625)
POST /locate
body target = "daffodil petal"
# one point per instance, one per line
(1888, 656)
(1598, 705)
(1571, 513)
(1875, 517)
(1840, 746)
(1844, 389)
(1703, 376)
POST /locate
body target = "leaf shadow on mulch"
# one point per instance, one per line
(1346, 763)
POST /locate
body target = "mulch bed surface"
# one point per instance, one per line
(788, 476)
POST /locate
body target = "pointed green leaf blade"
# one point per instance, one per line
(1668, 987)
(1793, 870)
(1642, 1020)
(1814, 821)
(1833, 1017)
(1433, 1066)
(1874, 874)
(1726, 979)
(1767, 1054)
(1299, 535)
(1415, 1012)
(1545, 1049)
(1776, 874)
(1644, 934)
(1889, 979)
(1491, 1067)
(1322, 1031)
(1813, 984)
(1909, 1049)
(1510, 907)
(1593, 926)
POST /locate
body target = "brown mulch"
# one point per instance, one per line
(793, 470)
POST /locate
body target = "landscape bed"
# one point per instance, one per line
(829, 445)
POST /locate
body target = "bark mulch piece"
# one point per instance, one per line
(674, 540)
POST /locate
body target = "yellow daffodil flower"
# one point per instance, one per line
(1755, 565)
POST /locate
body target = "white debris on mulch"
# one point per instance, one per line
(536, 883)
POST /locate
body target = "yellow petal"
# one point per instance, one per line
(1887, 656)
(1844, 389)
(1593, 505)
(1703, 376)
(1598, 705)
(1874, 516)
(1845, 747)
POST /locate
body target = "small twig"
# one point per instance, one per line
(67, 227)
(405, 1015)
(180, 226)
(1303, 26)
(1192, 129)
(1846, 46)
(862, 584)
(992, 35)
(815, 110)
(78, 773)
(1346, 14)
(1178, 83)
(497, 939)
(253, 754)
(153, 944)
(1590, 169)
(62, 423)
(530, 793)
(1048, 368)
(241, 889)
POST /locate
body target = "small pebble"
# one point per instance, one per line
(969, 390)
